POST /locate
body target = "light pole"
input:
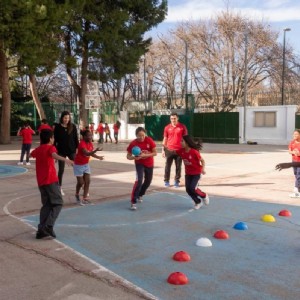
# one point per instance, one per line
(245, 85)
(145, 86)
(186, 76)
(283, 65)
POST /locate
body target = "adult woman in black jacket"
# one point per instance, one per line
(65, 141)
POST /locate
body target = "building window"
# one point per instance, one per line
(265, 119)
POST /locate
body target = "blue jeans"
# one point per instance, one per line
(297, 176)
(144, 177)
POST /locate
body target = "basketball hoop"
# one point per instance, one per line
(92, 101)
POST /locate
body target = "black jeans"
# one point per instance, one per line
(170, 156)
(139, 188)
(61, 166)
(52, 203)
(25, 150)
(191, 183)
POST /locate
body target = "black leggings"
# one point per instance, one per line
(139, 188)
(61, 166)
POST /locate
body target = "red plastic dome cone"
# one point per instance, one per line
(221, 234)
(285, 213)
(181, 256)
(178, 278)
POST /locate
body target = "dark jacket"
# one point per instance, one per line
(64, 142)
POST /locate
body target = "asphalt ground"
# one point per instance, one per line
(106, 251)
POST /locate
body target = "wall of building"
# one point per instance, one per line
(281, 134)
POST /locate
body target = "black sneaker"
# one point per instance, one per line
(50, 231)
(40, 234)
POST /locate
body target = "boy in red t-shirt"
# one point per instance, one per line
(47, 181)
(144, 164)
(26, 133)
(116, 129)
(100, 131)
(82, 169)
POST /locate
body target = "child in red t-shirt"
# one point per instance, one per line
(194, 167)
(26, 133)
(82, 169)
(294, 150)
(47, 181)
(116, 129)
(144, 164)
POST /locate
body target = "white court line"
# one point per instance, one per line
(100, 268)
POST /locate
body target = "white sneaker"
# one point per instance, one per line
(198, 206)
(140, 199)
(295, 190)
(28, 164)
(62, 192)
(133, 207)
(206, 200)
(20, 163)
(295, 195)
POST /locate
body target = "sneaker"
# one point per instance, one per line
(295, 195)
(50, 231)
(198, 205)
(140, 199)
(77, 199)
(206, 200)
(40, 234)
(176, 184)
(295, 190)
(28, 164)
(20, 163)
(167, 184)
(133, 207)
(86, 202)
(62, 192)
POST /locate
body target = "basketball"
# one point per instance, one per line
(136, 151)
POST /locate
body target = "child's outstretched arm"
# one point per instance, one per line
(281, 166)
(202, 161)
(91, 153)
(66, 160)
(97, 156)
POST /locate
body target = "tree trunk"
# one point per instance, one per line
(36, 100)
(6, 99)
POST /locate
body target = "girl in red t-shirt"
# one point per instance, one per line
(294, 149)
(194, 167)
(81, 166)
(144, 164)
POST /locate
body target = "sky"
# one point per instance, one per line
(279, 14)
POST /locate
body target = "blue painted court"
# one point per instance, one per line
(10, 171)
(258, 263)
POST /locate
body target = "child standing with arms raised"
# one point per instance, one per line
(194, 168)
(48, 183)
(26, 133)
(82, 169)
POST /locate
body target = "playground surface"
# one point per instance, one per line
(106, 251)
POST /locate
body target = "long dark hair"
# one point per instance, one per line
(70, 125)
(193, 143)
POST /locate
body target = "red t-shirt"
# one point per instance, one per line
(191, 160)
(44, 126)
(100, 128)
(26, 134)
(174, 135)
(80, 158)
(292, 146)
(146, 146)
(45, 166)
(116, 128)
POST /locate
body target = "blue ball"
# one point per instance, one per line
(136, 151)
(240, 226)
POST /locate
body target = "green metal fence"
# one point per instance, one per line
(210, 127)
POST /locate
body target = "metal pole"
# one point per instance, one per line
(283, 66)
(245, 85)
(186, 76)
(145, 86)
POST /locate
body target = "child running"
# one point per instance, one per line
(294, 150)
(194, 167)
(81, 167)
(47, 180)
(144, 164)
